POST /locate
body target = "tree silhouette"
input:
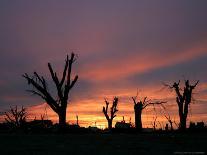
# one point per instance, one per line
(16, 117)
(139, 106)
(77, 120)
(63, 87)
(154, 123)
(170, 121)
(113, 110)
(183, 99)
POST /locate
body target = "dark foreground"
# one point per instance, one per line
(104, 144)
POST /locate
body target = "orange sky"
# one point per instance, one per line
(90, 111)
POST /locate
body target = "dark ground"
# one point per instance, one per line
(103, 144)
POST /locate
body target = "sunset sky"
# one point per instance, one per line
(122, 46)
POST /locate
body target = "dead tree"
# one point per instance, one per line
(139, 106)
(170, 121)
(16, 117)
(183, 99)
(63, 87)
(77, 120)
(113, 110)
(154, 124)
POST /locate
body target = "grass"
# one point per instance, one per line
(102, 144)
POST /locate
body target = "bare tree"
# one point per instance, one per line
(113, 110)
(170, 121)
(77, 120)
(43, 116)
(183, 99)
(154, 123)
(139, 106)
(16, 117)
(63, 87)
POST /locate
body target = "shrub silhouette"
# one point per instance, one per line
(16, 118)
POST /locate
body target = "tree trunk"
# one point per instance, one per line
(182, 123)
(62, 118)
(110, 124)
(138, 119)
(171, 126)
(183, 117)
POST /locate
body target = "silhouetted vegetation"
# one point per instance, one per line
(170, 121)
(139, 106)
(154, 123)
(197, 127)
(112, 111)
(123, 137)
(183, 99)
(63, 87)
(16, 118)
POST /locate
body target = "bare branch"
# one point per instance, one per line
(16, 117)
(36, 93)
(74, 81)
(195, 84)
(134, 99)
(65, 71)
(153, 103)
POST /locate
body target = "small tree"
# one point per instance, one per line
(183, 99)
(16, 117)
(170, 121)
(63, 87)
(154, 123)
(112, 111)
(77, 120)
(139, 106)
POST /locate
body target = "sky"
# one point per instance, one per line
(122, 47)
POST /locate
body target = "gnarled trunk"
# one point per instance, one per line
(183, 123)
(138, 120)
(110, 124)
(183, 101)
(138, 116)
(62, 118)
